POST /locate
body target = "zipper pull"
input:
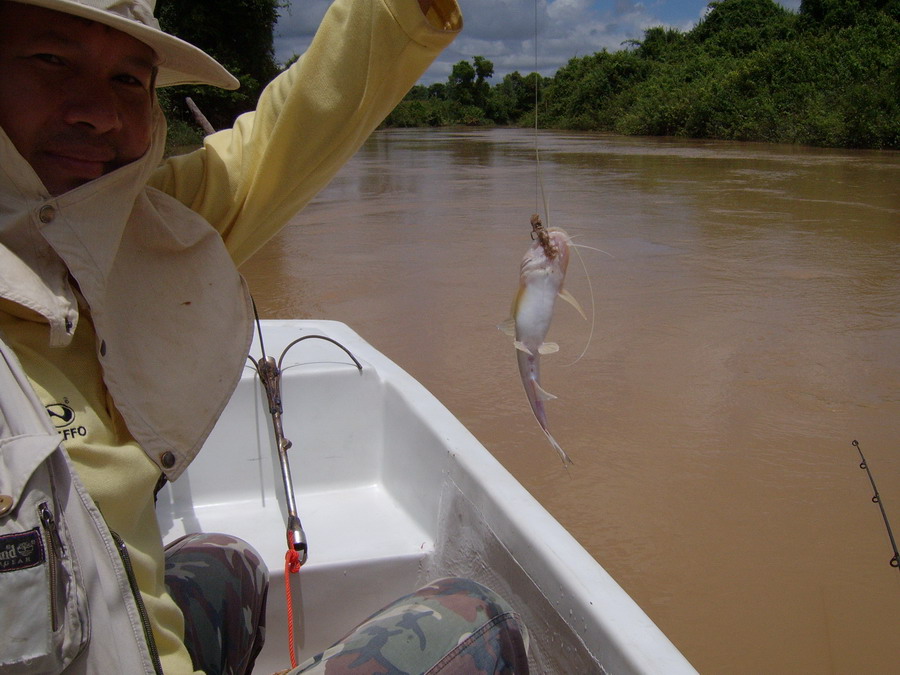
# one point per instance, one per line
(55, 554)
(49, 523)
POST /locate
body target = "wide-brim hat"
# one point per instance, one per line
(180, 61)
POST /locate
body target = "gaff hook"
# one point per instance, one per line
(270, 375)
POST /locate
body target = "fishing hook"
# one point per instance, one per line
(270, 374)
(539, 232)
(876, 498)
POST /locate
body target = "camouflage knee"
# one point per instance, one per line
(220, 584)
(452, 626)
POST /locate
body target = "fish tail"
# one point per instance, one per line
(566, 460)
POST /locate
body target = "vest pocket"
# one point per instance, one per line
(42, 593)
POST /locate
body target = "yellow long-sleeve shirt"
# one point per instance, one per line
(129, 392)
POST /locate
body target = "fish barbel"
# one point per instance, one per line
(541, 278)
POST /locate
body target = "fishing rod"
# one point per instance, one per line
(895, 561)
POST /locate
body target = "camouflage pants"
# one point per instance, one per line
(220, 583)
(452, 627)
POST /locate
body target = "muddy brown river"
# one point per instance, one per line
(746, 329)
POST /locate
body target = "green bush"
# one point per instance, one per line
(750, 70)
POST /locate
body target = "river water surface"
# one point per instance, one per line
(747, 329)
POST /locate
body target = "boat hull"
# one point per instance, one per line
(394, 492)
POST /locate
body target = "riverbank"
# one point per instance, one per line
(750, 70)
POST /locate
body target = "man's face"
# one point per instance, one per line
(76, 96)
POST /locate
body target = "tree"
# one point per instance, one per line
(238, 34)
(461, 83)
(513, 97)
(740, 27)
(843, 13)
(484, 70)
(750, 70)
(659, 42)
(438, 90)
(467, 84)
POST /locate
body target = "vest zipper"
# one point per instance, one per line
(142, 609)
(55, 554)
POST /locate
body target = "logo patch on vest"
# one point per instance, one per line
(21, 550)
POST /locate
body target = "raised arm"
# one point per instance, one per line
(249, 180)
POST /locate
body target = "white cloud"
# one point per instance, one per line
(504, 31)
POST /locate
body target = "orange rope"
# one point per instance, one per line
(291, 566)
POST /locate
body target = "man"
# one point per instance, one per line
(121, 310)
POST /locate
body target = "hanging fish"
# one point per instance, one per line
(541, 278)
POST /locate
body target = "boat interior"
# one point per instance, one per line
(393, 492)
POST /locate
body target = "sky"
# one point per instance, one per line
(503, 31)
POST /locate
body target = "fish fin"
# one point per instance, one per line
(548, 348)
(521, 346)
(568, 297)
(508, 327)
(541, 393)
(566, 460)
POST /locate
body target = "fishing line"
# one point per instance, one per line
(895, 561)
(540, 190)
(593, 309)
(539, 176)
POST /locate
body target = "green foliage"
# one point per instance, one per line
(741, 27)
(238, 34)
(514, 97)
(182, 137)
(421, 113)
(468, 85)
(461, 84)
(831, 14)
(660, 43)
(749, 70)
(464, 99)
(587, 93)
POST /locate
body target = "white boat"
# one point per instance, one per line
(393, 492)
